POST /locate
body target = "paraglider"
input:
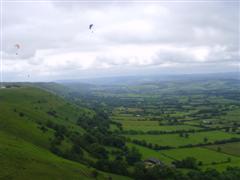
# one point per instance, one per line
(17, 46)
(91, 27)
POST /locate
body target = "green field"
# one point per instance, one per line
(149, 153)
(174, 140)
(229, 148)
(206, 156)
(152, 126)
(127, 117)
(179, 106)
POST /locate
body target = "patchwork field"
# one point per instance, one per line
(153, 126)
(174, 140)
(229, 148)
(163, 115)
(149, 153)
(206, 156)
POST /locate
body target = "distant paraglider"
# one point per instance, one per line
(17, 46)
(91, 27)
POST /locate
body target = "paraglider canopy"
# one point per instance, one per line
(18, 47)
(91, 27)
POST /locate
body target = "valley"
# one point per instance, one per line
(109, 131)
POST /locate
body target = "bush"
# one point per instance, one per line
(21, 114)
(188, 162)
(133, 156)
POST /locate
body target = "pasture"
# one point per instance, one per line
(206, 156)
(153, 126)
(229, 148)
(175, 140)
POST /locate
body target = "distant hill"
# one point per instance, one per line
(130, 80)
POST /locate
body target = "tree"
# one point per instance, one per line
(118, 167)
(181, 134)
(133, 156)
(156, 173)
(189, 162)
(21, 114)
(98, 151)
(205, 140)
(95, 173)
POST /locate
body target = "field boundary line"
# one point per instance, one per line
(205, 147)
(170, 157)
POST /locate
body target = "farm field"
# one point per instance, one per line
(149, 153)
(168, 121)
(153, 126)
(229, 148)
(174, 140)
(127, 117)
(206, 156)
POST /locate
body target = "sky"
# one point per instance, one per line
(127, 38)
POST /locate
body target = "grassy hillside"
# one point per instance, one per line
(20, 159)
(24, 109)
(25, 139)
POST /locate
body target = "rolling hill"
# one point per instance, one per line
(26, 136)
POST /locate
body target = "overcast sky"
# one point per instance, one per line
(127, 39)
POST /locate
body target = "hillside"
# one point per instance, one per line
(29, 121)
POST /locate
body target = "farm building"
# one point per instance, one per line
(151, 162)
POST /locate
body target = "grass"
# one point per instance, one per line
(206, 156)
(113, 127)
(229, 148)
(24, 147)
(232, 115)
(175, 140)
(207, 103)
(152, 126)
(22, 160)
(223, 166)
(34, 104)
(149, 153)
(126, 117)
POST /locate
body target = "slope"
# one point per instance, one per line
(25, 139)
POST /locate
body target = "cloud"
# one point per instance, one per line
(56, 42)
